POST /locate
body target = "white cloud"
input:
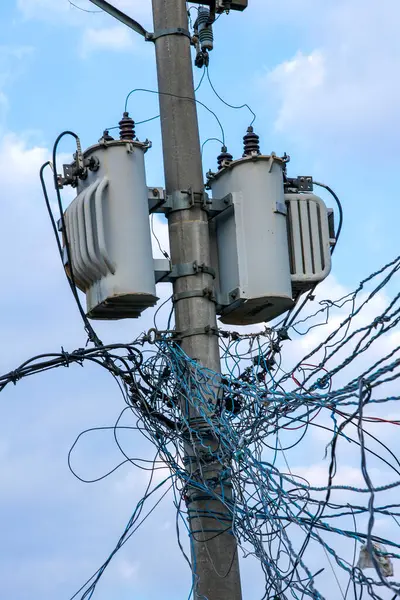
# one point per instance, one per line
(346, 86)
(118, 38)
(100, 31)
(128, 570)
(13, 59)
(138, 9)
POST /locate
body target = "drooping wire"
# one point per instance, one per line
(266, 403)
(210, 140)
(84, 9)
(340, 209)
(71, 278)
(180, 98)
(227, 103)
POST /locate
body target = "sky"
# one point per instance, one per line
(321, 77)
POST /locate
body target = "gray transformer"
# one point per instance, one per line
(109, 234)
(267, 246)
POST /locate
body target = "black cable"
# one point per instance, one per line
(93, 12)
(180, 98)
(163, 252)
(227, 103)
(212, 139)
(71, 278)
(340, 209)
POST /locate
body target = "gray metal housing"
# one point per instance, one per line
(267, 246)
(109, 233)
(250, 242)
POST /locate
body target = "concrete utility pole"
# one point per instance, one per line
(214, 549)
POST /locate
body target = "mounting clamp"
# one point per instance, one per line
(188, 269)
(167, 273)
(160, 202)
(152, 37)
(204, 293)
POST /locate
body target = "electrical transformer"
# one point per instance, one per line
(250, 243)
(108, 230)
(268, 246)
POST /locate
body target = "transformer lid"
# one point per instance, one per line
(109, 144)
(228, 166)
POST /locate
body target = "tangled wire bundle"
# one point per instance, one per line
(245, 422)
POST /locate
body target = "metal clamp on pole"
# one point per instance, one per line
(180, 335)
(204, 293)
(152, 37)
(187, 269)
(159, 202)
(184, 199)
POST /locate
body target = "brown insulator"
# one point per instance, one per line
(224, 157)
(251, 142)
(127, 128)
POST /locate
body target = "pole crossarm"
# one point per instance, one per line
(121, 16)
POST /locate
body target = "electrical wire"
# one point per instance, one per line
(71, 277)
(210, 140)
(340, 209)
(84, 9)
(263, 406)
(180, 98)
(227, 103)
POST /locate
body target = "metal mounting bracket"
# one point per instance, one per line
(167, 273)
(221, 5)
(159, 202)
(218, 205)
(204, 293)
(302, 183)
(188, 269)
(224, 300)
(180, 200)
(208, 330)
(152, 37)
(156, 199)
(162, 269)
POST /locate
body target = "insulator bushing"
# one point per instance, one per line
(204, 25)
(127, 127)
(224, 157)
(251, 143)
(106, 137)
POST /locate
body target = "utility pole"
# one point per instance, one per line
(214, 549)
(215, 560)
(252, 295)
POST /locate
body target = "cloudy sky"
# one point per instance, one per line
(321, 76)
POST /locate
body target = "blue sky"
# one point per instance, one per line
(321, 76)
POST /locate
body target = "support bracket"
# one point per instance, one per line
(208, 330)
(188, 269)
(156, 199)
(204, 293)
(152, 37)
(219, 205)
(160, 202)
(167, 273)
